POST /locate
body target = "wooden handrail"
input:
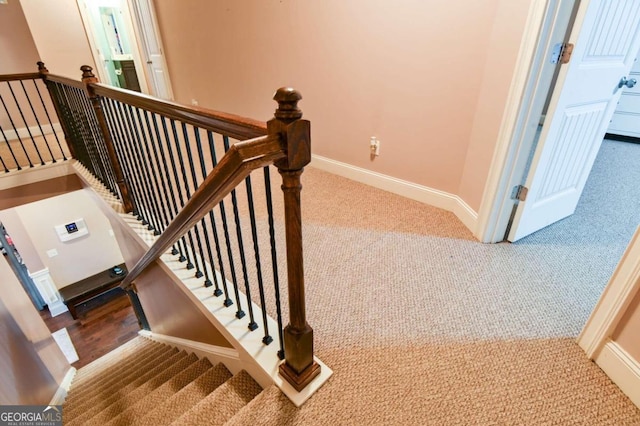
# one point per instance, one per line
(234, 126)
(241, 159)
(65, 80)
(21, 76)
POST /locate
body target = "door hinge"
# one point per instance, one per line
(561, 53)
(519, 192)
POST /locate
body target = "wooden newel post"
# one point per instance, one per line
(299, 368)
(44, 73)
(88, 78)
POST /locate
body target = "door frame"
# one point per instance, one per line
(130, 23)
(516, 135)
(139, 28)
(596, 336)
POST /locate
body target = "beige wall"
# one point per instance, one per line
(76, 259)
(429, 78)
(59, 35)
(17, 49)
(497, 74)
(32, 364)
(627, 334)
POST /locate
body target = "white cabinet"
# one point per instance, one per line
(626, 119)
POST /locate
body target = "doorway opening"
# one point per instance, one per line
(594, 21)
(126, 45)
(114, 44)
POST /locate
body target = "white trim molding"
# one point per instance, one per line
(228, 356)
(622, 369)
(60, 395)
(424, 194)
(49, 292)
(616, 298)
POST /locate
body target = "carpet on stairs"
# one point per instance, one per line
(149, 383)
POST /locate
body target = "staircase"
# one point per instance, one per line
(148, 383)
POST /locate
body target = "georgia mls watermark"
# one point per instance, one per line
(30, 415)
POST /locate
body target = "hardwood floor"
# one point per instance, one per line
(103, 324)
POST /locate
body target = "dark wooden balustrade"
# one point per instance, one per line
(150, 152)
(28, 123)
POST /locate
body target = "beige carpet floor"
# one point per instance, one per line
(424, 325)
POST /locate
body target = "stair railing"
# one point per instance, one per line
(30, 132)
(161, 158)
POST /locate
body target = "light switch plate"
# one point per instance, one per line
(52, 253)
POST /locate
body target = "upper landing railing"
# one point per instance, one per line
(200, 180)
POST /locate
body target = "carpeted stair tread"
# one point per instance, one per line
(160, 395)
(119, 377)
(116, 375)
(186, 398)
(120, 402)
(127, 351)
(222, 403)
(120, 387)
(125, 367)
(261, 411)
(107, 363)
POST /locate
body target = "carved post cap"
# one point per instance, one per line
(287, 98)
(41, 68)
(87, 72)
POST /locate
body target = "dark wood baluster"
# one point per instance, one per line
(164, 197)
(299, 368)
(24, 120)
(225, 229)
(143, 159)
(94, 131)
(205, 230)
(176, 179)
(196, 230)
(113, 119)
(86, 138)
(243, 261)
(16, 132)
(274, 257)
(180, 162)
(173, 207)
(46, 112)
(266, 339)
(35, 116)
(88, 78)
(217, 292)
(55, 99)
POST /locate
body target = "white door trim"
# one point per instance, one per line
(139, 29)
(618, 294)
(135, 48)
(514, 145)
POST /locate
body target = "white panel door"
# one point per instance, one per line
(156, 64)
(607, 37)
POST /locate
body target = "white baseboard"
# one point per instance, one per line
(622, 369)
(228, 356)
(23, 132)
(63, 389)
(424, 194)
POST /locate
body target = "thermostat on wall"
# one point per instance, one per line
(72, 230)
